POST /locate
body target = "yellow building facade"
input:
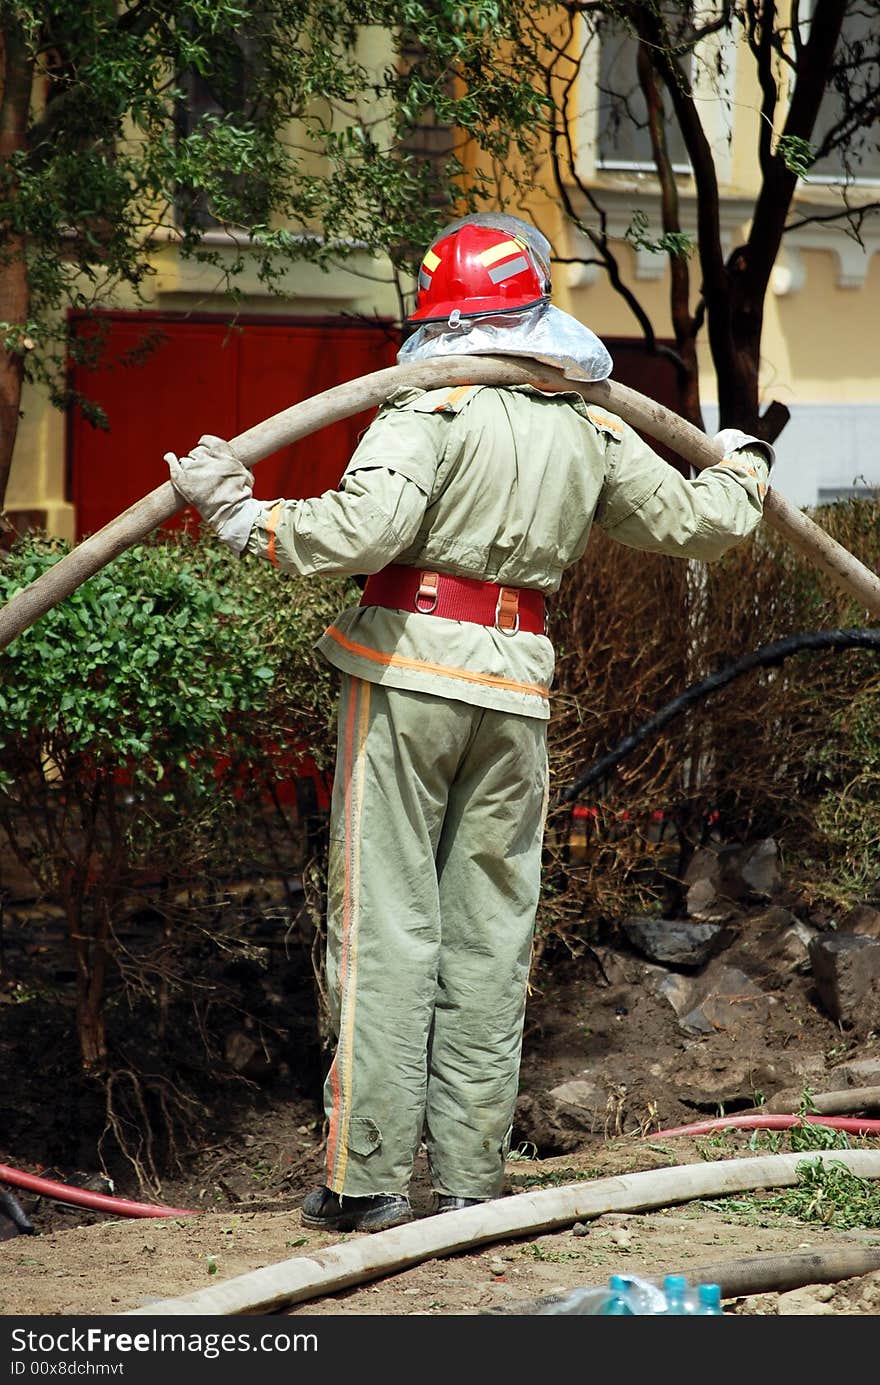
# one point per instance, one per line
(820, 353)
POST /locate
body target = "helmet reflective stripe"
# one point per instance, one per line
(505, 271)
(498, 252)
(429, 264)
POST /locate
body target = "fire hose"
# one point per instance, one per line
(83, 1197)
(851, 1125)
(318, 1272)
(343, 401)
(766, 656)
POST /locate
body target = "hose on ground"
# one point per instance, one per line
(766, 656)
(319, 1272)
(81, 1197)
(853, 1125)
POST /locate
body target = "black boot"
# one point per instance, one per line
(455, 1204)
(326, 1210)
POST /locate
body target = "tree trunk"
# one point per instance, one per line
(17, 80)
(90, 1022)
(88, 941)
(91, 956)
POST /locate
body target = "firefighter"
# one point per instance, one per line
(463, 507)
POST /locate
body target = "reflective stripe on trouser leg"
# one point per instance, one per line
(395, 753)
(489, 866)
(343, 926)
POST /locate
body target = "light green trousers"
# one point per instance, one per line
(435, 856)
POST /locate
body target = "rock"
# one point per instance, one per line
(583, 1105)
(578, 1092)
(803, 1303)
(678, 990)
(846, 969)
(722, 998)
(674, 942)
(730, 1083)
(794, 946)
(619, 968)
(704, 904)
(861, 1072)
(720, 877)
(703, 865)
(758, 866)
(551, 1129)
(871, 1291)
(865, 921)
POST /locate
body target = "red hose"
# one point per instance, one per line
(63, 1192)
(854, 1125)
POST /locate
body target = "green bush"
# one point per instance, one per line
(149, 727)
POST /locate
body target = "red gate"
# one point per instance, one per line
(164, 380)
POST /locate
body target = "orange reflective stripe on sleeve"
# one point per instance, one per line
(271, 526)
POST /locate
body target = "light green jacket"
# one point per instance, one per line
(503, 485)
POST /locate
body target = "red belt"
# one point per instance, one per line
(508, 609)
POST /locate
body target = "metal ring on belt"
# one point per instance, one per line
(507, 609)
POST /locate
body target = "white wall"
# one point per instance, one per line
(823, 447)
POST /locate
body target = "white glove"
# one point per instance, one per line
(220, 486)
(733, 438)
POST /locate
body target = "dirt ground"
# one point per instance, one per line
(603, 1021)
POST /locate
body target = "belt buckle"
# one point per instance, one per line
(506, 606)
(429, 585)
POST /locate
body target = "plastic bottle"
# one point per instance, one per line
(679, 1302)
(624, 1295)
(709, 1300)
(619, 1304)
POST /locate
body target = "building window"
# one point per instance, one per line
(623, 138)
(854, 83)
(429, 140)
(205, 97)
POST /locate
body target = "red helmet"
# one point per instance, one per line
(484, 264)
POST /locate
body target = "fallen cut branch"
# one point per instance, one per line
(343, 401)
(755, 1274)
(848, 1101)
(525, 1214)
